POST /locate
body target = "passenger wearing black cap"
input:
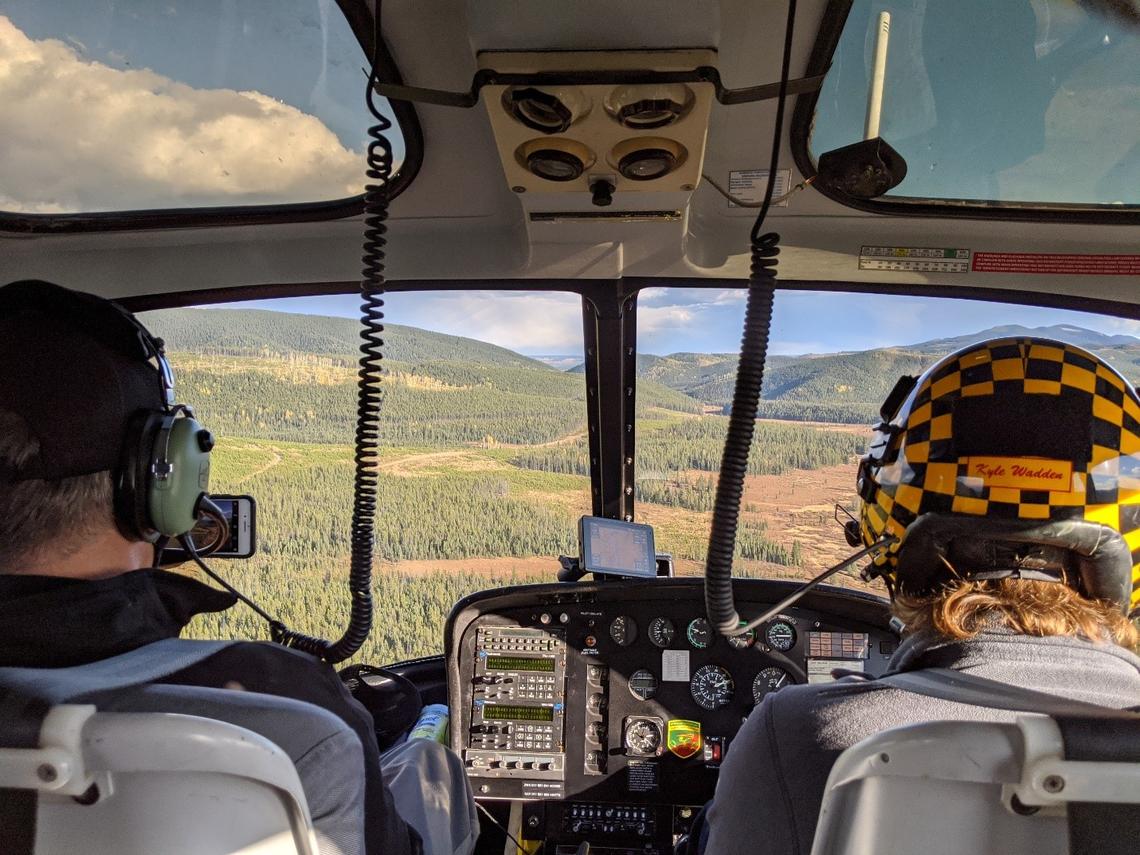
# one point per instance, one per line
(87, 413)
(1007, 481)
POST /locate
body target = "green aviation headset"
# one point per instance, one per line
(164, 476)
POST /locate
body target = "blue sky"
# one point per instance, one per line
(672, 320)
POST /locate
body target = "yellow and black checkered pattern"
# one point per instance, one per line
(1024, 390)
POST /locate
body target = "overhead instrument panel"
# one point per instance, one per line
(574, 148)
(603, 703)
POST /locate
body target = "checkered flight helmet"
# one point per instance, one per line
(1016, 457)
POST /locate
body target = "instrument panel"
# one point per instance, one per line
(609, 705)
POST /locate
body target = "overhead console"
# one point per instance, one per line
(609, 707)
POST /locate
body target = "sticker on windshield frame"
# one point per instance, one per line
(915, 259)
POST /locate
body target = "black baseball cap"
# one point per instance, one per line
(76, 368)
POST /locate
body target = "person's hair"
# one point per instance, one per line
(39, 517)
(964, 609)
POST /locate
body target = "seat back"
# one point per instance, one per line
(155, 791)
(135, 783)
(944, 788)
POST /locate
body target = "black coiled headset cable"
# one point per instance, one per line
(765, 247)
(719, 601)
(365, 457)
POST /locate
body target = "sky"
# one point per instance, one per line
(701, 320)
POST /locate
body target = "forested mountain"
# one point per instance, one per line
(256, 332)
(850, 386)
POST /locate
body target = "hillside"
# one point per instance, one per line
(272, 375)
(850, 386)
(256, 332)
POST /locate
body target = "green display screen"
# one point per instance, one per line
(495, 712)
(520, 663)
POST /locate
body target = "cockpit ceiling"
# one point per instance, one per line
(460, 220)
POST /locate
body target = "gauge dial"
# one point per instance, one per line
(781, 636)
(744, 640)
(662, 631)
(623, 630)
(699, 633)
(711, 687)
(642, 684)
(642, 737)
(769, 680)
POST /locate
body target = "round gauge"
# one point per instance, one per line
(711, 687)
(623, 630)
(596, 732)
(781, 635)
(769, 680)
(643, 737)
(662, 631)
(699, 633)
(744, 640)
(642, 684)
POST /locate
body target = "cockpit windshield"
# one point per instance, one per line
(1033, 102)
(484, 460)
(119, 106)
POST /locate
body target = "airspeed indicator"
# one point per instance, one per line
(712, 687)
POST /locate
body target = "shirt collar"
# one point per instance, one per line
(54, 622)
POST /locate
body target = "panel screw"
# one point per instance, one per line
(686, 187)
(532, 822)
(484, 789)
(518, 188)
(1053, 784)
(47, 773)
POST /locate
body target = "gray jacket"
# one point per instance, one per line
(772, 782)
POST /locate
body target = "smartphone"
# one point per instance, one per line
(241, 514)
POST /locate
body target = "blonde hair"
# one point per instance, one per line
(964, 609)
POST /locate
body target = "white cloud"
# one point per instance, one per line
(653, 319)
(82, 136)
(530, 322)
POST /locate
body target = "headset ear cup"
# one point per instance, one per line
(182, 454)
(131, 481)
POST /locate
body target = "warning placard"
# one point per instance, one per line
(915, 259)
(748, 185)
(1061, 264)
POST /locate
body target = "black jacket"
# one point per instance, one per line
(52, 622)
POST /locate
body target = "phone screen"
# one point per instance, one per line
(205, 533)
(239, 513)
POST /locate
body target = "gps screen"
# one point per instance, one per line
(613, 546)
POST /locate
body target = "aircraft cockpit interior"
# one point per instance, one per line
(629, 427)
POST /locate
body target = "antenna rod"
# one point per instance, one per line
(878, 74)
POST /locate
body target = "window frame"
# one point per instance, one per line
(803, 117)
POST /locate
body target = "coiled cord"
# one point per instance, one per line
(369, 394)
(719, 602)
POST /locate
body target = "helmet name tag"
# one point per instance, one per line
(1022, 473)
